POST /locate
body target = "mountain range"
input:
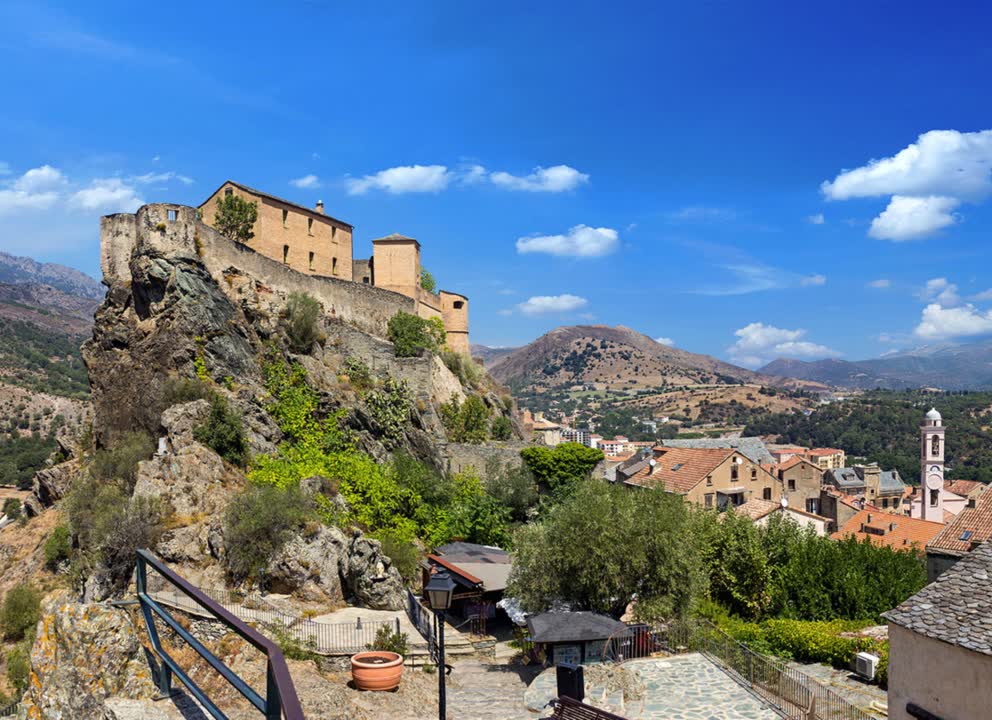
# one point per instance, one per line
(15, 269)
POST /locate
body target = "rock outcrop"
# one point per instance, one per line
(327, 563)
(50, 485)
(83, 655)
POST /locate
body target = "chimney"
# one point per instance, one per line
(320, 206)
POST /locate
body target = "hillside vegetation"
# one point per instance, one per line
(884, 427)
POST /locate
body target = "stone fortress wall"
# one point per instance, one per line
(169, 228)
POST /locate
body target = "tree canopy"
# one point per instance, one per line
(235, 218)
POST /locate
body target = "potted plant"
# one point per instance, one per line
(381, 667)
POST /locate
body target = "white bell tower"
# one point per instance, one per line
(932, 467)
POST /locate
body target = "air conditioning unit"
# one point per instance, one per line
(865, 665)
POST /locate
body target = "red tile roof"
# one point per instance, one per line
(976, 520)
(679, 470)
(898, 532)
(963, 487)
(824, 451)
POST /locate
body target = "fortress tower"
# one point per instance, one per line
(932, 467)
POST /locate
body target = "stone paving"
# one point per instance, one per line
(685, 687)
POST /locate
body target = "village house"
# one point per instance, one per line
(480, 572)
(839, 507)
(940, 645)
(965, 532)
(711, 477)
(885, 529)
(761, 511)
(801, 482)
(883, 488)
(826, 458)
(311, 242)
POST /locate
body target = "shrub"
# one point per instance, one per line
(136, 525)
(513, 487)
(257, 523)
(390, 408)
(501, 428)
(481, 519)
(466, 422)
(12, 508)
(57, 547)
(223, 432)
(389, 640)
(462, 366)
(358, 373)
(119, 464)
(19, 666)
(427, 281)
(411, 334)
(235, 218)
(20, 611)
(561, 468)
(183, 390)
(302, 314)
(401, 551)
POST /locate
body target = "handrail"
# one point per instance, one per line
(280, 699)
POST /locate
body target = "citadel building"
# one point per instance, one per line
(316, 244)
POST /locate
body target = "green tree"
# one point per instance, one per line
(466, 422)
(235, 218)
(301, 322)
(57, 547)
(12, 508)
(501, 428)
(20, 611)
(603, 545)
(412, 334)
(257, 523)
(427, 281)
(481, 519)
(562, 467)
(513, 487)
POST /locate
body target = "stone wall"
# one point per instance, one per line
(368, 308)
(463, 456)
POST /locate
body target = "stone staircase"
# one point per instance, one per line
(479, 690)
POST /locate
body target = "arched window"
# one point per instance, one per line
(935, 445)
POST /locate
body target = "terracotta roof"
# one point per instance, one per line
(956, 608)
(963, 487)
(679, 470)
(303, 208)
(896, 531)
(756, 508)
(825, 451)
(973, 524)
(793, 461)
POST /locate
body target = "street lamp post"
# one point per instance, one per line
(439, 589)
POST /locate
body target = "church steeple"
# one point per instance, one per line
(932, 467)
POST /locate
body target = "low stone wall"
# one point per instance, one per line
(463, 456)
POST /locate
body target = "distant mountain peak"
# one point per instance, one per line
(15, 269)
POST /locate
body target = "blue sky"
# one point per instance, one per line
(700, 172)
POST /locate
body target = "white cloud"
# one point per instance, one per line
(579, 241)
(159, 178)
(307, 182)
(940, 162)
(403, 179)
(543, 304)
(942, 323)
(666, 341)
(473, 174)
(817, 219)
(107, 195)
(983, 295)
(880, 284)
(758, 344)
(559, 178)
(40, 180)
(37, 189)
(913, 218)
(941, 291)
(813, 280)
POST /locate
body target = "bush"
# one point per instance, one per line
(184, 390)
(302, 314)
(390, 409)
(466, 422)
(561, 468)
(257, 523)
(20, 611)
(119, 464)
(462, 366)
(137, 525)
(223, 432)
(57, 547)
(12, 508)
(358, 373)
(401, 551)
(513, 487)
(235, 218)
(501, 428)
(427, 281)
(19, 666)
(389, 640)
(411, 334)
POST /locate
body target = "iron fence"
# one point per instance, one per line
(426, 623)
(11, 709)
(795, 694)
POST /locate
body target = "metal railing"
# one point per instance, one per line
(280, 699)
(315, 636)
(426, 623)
(795, 694)
(11, 709)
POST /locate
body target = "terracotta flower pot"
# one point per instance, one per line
(376, 670)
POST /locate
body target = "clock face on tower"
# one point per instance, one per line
(934, 481)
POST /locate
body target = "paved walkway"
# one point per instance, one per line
(685, 687)
(489, 691)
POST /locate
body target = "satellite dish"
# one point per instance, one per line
(739, 460)
(784, 502)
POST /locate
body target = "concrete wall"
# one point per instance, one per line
(367, 308)
(311, 243)
(946, 680)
